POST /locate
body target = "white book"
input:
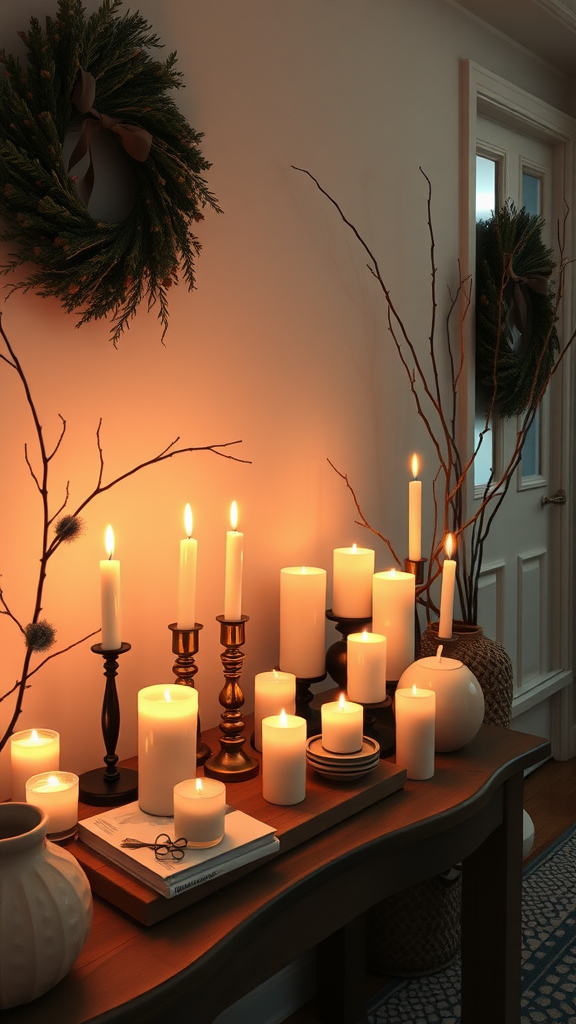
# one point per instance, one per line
(245, 840)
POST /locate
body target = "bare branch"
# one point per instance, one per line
(363, 521)
(57, 654)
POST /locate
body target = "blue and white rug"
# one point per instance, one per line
(548, 955)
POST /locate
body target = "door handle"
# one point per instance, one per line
(556, 499)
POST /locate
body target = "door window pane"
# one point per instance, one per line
(531, 449)
(486, 202)
(532, 193)
(485, 187)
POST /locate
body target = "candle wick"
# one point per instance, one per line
(439, 653)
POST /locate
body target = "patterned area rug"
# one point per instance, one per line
(548, 955)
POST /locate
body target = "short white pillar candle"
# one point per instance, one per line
(272, 691)
(284, 759)
(56, 793)
(199, 812)
(303, 621)
(415, 712)
(342, 726)
(32, 751)
(366, 667)
(353, 569)
(167, 717)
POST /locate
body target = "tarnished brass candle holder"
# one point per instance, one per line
(337, 653)
(232, 763)
(185, 643)
(113, 785)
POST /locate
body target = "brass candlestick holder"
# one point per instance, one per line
(416, 566)
(337, 653)
(185, 644)
(232, 763)
(113, 785)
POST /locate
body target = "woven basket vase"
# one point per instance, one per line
(417, 931)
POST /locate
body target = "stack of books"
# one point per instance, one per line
(246, 840)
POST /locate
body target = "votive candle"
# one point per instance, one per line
(342, 726)
(199, 811)
(56, 793)
(32, 751)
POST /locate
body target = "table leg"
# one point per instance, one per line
(341, 975)
(492, 919)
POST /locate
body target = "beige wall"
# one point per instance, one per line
(283, 344)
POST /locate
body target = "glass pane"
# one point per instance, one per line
(485, 187)
(531, 449)
(485, 458)
(531, 193)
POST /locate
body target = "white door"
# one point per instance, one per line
(524, 591)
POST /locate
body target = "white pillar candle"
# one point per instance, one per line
(187, 577)
(233, 577)
(167, 717)
(272, 692)
(414, 711)
(447, 592)
(284, 759)
(393, 610)
(353, 569)
(342, 726)
(415, 514)
(303, 621)
(32, 751)
(366, 667)
(110, 596)
(199, 811)
(56, 793)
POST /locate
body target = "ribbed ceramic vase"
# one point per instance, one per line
(45, 906)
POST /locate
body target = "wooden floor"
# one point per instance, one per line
(550, 799)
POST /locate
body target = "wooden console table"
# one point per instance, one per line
(194, 964)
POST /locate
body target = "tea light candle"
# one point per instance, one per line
(303, 621)
(353, 569)
(110, 597)
(199, 812)
(284, 759)
(32, 751)
(393, 609)
(342, 726)
(366, 667)
(167, 722)
(233, 577)
(56, 793)
(415, 712)
(272, 691)
(187, 577)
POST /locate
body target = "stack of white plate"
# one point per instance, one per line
(342, 767)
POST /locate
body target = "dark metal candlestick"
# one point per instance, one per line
(231, 763)
(303, 709)
(416, 566)
(337, 653)
(185, 646)
(113, 785)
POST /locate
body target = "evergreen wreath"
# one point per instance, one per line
(94, 73)
(516, 339)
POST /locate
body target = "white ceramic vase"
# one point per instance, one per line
(459, 699)
(46, 906)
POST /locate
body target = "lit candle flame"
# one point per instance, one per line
(283, 719)
(188, 520)
(354, 548)
(34, 736)
(342, 702)
(52, 780)
(415, 466)
(275, 673)
(198, 785)
(303, 570)
(449, 545)
(233, 515)
(414, 690)
(109, 542)
(365, 636)
(167, 696)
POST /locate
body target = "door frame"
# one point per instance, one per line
(484, 93)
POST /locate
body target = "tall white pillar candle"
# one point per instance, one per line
(32, 751)
(233, 577)
(110, 597)
(447, 591)
(353, 569)
(284, 759)
(56, 793)
(366, 667)
(302, 621)
(415, 514)
(167, 717)
(342, 726)
(393, 610)
(187, 577)
(414, 711)
(272, 691)
(199, 811)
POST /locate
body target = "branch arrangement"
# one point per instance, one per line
(61, 526)
(439, 411)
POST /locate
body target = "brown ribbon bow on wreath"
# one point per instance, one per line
(521, 305)
(136, 141)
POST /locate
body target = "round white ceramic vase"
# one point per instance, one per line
(459, 699)
(46, 906)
